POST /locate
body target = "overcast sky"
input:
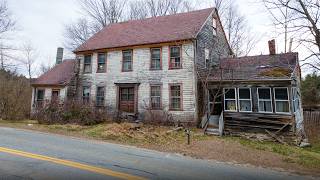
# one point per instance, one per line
(42, 22)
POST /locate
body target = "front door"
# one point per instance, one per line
(215, 107)
(126, 99)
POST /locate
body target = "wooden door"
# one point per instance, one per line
(127, 103)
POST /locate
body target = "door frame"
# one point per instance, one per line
(127, 85)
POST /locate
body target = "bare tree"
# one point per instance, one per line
(240, 38)
(301, 20)
(28, 58)
(6, 21)
(137, 10)
(77, 33)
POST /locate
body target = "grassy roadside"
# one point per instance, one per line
(231, 149)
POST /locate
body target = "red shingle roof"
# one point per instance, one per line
(169, 28)
(60, 74)
(279, 66)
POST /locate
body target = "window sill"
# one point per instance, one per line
(155, 69)
(175, 68)
(127, 71)
(175, 109)
(99, 72)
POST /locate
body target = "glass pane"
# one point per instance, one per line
(155, 53)
(245, 105)
(230, 105)
(40, 95)
(101, 58)
(87, 59)
(175, 51)
(281, 93)
(100, 67)
(230, 94)
(155, 102)
(127, 55)
(155, 64)
(175, 90)
(282, 106)
(264, 93)
(86, 91)
(126, 65)
(100, 91)
(87, 68)
(155, 90)
(244, 93)
(175, 103)
(265, 106)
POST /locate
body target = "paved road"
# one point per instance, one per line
(72, 158)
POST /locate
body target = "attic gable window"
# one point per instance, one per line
(101, 63)
(126, 60)
(175, 57)
(265, 100)
(87, 64)
(155, 58)
(281, 99)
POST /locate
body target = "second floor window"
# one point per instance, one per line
(127, 60)
(100, 96)
(87, 64)
(175, 57)
(155, 59)
(101, 62)
(85, 94)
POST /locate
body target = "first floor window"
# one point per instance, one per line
(245, 102)
(85, 94)
(40, 95)
(101, 62)
(55, 94)
(175, 57)
(155, 59)
(264, 100)
(175, 97)
(100, 96)
(155, 96)
(230, 102)
(127, 60)
(87, 64)
(281, 98)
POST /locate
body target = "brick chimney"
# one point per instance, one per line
(272, 47)
(59, 55)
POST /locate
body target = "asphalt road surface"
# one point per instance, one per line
(33, 155)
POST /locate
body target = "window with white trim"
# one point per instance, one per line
(295, 99)
(245, 100)
(230, 101)
(281, 98)
(264, 99)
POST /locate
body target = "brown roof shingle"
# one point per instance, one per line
(60, 74)
(262, 67)
(160, 29)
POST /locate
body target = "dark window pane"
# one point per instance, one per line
(282, 106)
(175, 51)
(155, 53)
(87, 59)
(245, 105)
(101, 58)
(40, 95)
(281, 93)
(229, 93)
(265, 106)
(244, 93)
(264, 93)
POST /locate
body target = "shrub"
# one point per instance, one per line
(71, 112)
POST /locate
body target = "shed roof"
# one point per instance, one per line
(59, 75)
(170, 28)
(261, 67)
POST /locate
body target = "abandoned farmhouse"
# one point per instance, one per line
(181, 64)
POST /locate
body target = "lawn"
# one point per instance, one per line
(230, 149)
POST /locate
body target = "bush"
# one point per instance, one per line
(70, 112)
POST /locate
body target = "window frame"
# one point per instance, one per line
(104, 95)
(105, 62)
(123, 61)
(86, 64)
(238, 89)
(151, 59)
(235, 99)
(180, 56)
(88, 101)
(44, 94)
(271, 101)
(295, 98)
(160, 102)
(181, 97)
(275, 101)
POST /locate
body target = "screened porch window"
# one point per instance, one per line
(264, 100)
(230, 101)
(281, 98)
(245, 101)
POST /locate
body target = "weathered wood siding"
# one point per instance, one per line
(142, 74)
